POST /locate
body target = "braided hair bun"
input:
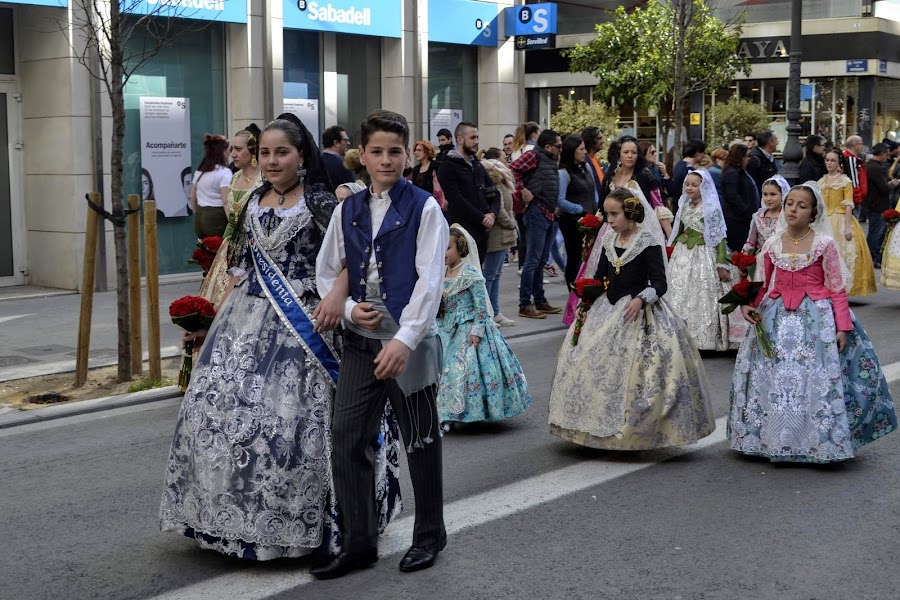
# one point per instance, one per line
(631, 206)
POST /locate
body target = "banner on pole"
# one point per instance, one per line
(166, 169)
(308, 112)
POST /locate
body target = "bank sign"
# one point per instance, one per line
(381, 18)
(463, 22)
(530, 19)
(225, 11)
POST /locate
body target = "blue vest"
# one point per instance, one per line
(394, 245)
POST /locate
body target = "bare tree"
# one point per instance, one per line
(113, 43)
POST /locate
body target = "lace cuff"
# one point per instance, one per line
(648, 295)
(664, 214)
(847, 203)
(725, 266)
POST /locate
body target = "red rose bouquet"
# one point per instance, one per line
(205, 253)
(589, 225)
(741, 294)
(588, 290)
(193, 314)
(743, 262)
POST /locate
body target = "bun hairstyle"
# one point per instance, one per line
(252, 133)
(812, 196)
(462, 246)
(631, 206)
(214, 147)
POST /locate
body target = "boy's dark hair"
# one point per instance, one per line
(387, 121)
(547, 137)
(880, 148)
(692, 148)
(462, 128)
(445, 133)
(331, 136)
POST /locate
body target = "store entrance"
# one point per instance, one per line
(12, 265)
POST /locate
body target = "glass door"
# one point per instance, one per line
(12, 226)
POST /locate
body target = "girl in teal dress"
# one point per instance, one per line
(482, 379)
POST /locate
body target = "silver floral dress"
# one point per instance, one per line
(249, 473)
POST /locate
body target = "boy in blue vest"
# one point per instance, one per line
(392, 239)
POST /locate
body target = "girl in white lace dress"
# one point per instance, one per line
(700, 273)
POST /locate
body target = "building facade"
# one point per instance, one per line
(233, 62)
(850, 73)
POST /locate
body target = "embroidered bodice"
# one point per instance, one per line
(464, 302)
(761, 229)
(816, 274)
(290, 236)
(646, 270)
(837, 194)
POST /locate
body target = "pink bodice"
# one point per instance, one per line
(816, 274)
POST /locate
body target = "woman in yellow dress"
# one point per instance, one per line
(837, 190)
(243, 154)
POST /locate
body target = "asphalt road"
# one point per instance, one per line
(529, 515)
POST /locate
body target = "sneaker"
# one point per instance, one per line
(547, 309)
(550, 271)
(531, 312)
(519, 270)
(502, 321)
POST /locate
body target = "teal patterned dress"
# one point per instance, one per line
(483, 383)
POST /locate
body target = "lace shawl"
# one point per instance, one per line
(714, 228)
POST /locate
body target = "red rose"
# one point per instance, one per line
(189, 305)
(891, 215)
(669, 251)
(584, 282)
(211, 243)
(743, 261)
(589, 221)
(742, 288)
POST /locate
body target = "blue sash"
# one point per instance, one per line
(286, 304)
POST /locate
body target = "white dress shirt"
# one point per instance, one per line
(418, 316)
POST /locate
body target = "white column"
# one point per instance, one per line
(247, 81)
(404, 68)
(329, 102)
(501, 88)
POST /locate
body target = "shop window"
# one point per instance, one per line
(7, 43)
(453, 78)
(750, 89)
(302, 67)
(887, 93)
(569, 93)
(775, 96)
(192, 66)
(358, 81)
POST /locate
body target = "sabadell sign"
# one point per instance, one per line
(381, 18)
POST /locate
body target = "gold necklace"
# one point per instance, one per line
(797, 241)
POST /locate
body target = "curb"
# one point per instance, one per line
(83, 407)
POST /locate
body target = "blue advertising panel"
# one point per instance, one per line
(56, 3)
(466, 22)
(380, 18)
(224, 11)
(530, 19)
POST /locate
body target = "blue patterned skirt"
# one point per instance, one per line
(810, 403)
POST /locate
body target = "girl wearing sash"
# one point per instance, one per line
(249, 473)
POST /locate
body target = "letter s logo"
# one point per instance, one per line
(540, 20)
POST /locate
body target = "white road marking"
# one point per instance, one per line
(458, 516)
(12, 318)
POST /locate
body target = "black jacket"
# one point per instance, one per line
(469, 191)
(334, 166)
(812, 168)
(760, 167)
(878, 194)
(738, 205)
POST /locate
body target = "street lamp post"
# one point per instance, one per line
(792, 153)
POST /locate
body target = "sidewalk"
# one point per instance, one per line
(39, 332)
(39, 328)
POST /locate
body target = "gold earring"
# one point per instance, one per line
(253, 162)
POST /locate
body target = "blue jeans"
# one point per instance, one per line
(554, 248)
(875, 237)
(492, 268)
(539, 236)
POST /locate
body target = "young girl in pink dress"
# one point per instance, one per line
(762, 227)
(824, 394)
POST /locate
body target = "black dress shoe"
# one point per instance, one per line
(344, 563)
(418, 558)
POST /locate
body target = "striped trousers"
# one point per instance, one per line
(358, 408)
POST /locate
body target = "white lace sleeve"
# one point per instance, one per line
(648, 295)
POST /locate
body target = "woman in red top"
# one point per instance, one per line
(823, 395)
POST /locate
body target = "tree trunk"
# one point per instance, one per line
(678, 90)
(117, 99)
